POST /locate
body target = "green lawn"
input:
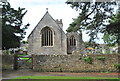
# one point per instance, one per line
(62, 77)
(22, 55)
(30, 60)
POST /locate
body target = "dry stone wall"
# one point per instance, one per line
(7, 62)
(75, 63)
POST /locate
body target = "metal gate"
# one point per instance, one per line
(22, 62)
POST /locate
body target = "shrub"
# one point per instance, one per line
(101, 58)
(5, 52)
(117, 66)
(88, 59)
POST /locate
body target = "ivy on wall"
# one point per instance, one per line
(101, 58)
(88, 59)
(117, 66)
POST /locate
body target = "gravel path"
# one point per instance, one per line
(8, 74)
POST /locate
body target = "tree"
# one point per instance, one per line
(73, 26)
(93, 45)
(113, 29)
(92, 17)
(12, 30)
(109, 39)
(25, 42)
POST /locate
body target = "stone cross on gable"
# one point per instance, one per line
(46, 9)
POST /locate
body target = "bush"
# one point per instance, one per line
(117, 66)
(5, 52)
(88, 59)
(101, 58)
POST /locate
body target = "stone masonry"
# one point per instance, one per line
(75, 63)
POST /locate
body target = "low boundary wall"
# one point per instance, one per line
(7, 62)
(75, 63)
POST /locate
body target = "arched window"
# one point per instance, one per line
(72, 41)
(47, 37)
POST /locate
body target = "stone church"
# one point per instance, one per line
(48, 38)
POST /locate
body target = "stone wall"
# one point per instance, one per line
(7, 62)
(75, 63)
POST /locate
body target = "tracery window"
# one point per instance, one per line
(47, 37)
(72, 41)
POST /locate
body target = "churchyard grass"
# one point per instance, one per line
(62, 77)
(30, 60)
(22, 54)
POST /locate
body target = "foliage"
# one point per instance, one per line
(12, 26)
(73, 27)
(25, 42)
(102, 58)
(92, 17)
(5, 52)
(88, 59)
(109, 39)
(117, 66)
(92, 44)
(114, 29)
(114, 26)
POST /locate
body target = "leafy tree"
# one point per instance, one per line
(12, 30)
(113, 29)
(92, 17)
(25, 42)
(73, 27)
(109, 39)
(93, 45)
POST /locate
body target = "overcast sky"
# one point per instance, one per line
(58, 9)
